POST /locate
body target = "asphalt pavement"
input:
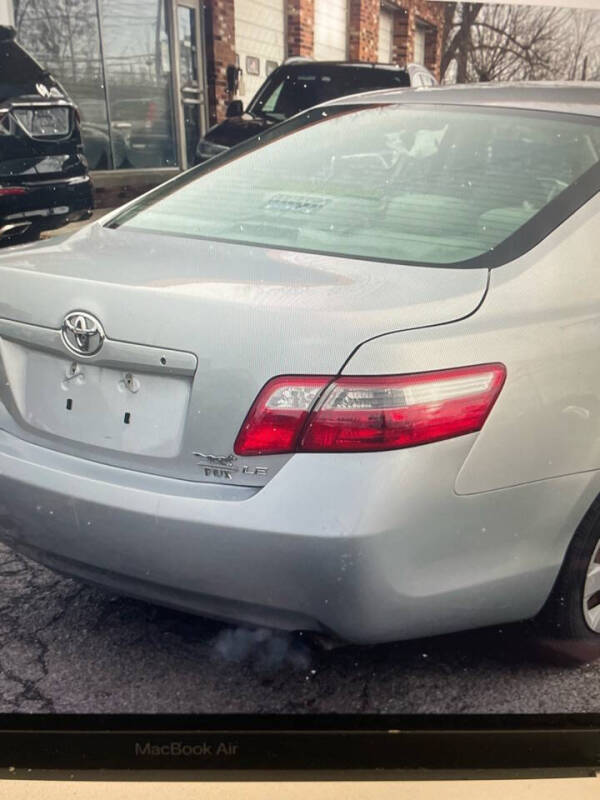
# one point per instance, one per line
(67, 647)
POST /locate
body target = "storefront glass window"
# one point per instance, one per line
(113, 58)
(138, 75)
(63, 36)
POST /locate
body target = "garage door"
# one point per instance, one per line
(386, 36)
(420, 34)
(331, 30)
(6, 13)
(259, 41)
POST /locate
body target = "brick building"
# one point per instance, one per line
(150, 76)
(389, 31)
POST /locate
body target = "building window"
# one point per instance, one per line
(113, 58)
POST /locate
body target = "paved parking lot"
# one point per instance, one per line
(67, 647)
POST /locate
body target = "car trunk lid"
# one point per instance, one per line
(193, 330)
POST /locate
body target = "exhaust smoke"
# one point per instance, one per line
(266, 650)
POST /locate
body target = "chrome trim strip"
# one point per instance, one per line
(66, 181)
(115, 354)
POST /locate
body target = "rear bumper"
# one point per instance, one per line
(49, 204)
(328, 544)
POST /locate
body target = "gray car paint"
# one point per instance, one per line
(376, 547)
(166, 294)
(373, 546)
(572, 97)
(541, 318)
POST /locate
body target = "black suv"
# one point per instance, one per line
(298, 84)
(44, 181)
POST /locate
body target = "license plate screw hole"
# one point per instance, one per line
(131, 383)
(69, 404)
(127, 418)
(163, 361)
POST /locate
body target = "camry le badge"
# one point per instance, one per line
(223, 466)
(224, 461)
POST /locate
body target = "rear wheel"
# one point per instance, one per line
(570, 620)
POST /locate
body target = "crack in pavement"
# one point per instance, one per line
(23, 650)
(67, 647)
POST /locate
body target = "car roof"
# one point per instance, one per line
(573, 97)
(303, 63)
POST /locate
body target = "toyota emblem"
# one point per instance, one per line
(82, 333)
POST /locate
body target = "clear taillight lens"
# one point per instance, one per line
(328, 415)
(45, 121)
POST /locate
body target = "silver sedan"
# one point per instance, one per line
(344, 379)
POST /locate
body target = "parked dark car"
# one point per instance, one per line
(44, 181)
(298, 84)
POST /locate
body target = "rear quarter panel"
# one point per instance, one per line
(541, 318)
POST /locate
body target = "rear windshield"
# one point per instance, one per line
(405, 183)
(19, 73)
(289, 92)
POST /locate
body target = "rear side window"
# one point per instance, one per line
(295, 90)
(406, 183)
(19, 73)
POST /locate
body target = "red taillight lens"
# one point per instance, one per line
(328, 415)
(5, 191)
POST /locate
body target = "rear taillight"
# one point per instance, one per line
(278, 415)
(6, 191)
(348, 414)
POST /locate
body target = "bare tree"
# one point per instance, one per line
(58, 32)
(580, 58)
(504, 43)
(459, 19)
(512, 43)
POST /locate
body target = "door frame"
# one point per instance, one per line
(171, 17)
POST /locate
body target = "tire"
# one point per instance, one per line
(564, 626)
